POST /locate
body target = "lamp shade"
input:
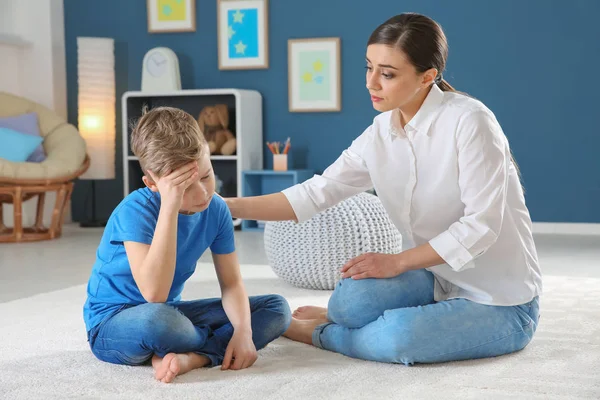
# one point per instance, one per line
(96, 104)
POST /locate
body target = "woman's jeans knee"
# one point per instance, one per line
(355, 303)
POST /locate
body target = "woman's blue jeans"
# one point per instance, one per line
(396, 320)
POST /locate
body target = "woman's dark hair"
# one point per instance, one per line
(420, 38)
(423, 41)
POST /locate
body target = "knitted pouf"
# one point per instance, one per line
(310, 254)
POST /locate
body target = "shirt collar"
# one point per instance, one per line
(423, 118)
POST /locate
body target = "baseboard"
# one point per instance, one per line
(566, 228)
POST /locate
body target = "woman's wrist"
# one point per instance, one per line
(420, 257)
(401, 263)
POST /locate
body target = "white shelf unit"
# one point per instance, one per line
(213, 158)
(245, 122)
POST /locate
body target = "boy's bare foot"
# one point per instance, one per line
(166, 368)
(301, 330)
(310, 312)
(171, 365)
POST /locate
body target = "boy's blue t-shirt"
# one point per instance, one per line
(111, 283)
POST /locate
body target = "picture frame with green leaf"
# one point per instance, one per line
(166, 16)
(314, 75)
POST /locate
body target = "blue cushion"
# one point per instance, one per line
(28, 124)
(16, 146)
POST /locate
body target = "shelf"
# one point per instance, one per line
(251, 228)
(270, 172)
(216, 158)
(213, 158)
(185, 92)
(245, 122)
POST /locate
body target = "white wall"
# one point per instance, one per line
(10, 71)
(35, 70)
(11, 52)
(42, 64)
(7, 10)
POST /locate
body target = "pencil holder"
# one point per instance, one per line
(280, 162)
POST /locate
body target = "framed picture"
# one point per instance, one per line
(171, 15)
(243, 34)
(314, 76)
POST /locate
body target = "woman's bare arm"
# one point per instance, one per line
(270, 207)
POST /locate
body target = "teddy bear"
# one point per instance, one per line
(214, 122)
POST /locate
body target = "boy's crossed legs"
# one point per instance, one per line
(182, 336)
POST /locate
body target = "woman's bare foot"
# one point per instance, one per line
(171, 365)
(310, 312)
(301, 330)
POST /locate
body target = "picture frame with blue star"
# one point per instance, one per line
(243, 34)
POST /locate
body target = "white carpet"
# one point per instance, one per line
(44, 354)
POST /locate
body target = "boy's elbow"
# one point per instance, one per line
(156, 299)
(155, 296)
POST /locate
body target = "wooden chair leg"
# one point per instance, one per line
(18, 214)
(39, 215)
(69, 189)
(3, 228)
(56, 213)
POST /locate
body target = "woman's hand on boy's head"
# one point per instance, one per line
(173, 185)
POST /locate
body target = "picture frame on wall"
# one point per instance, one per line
(171, 16)
(314, 75)
(243, 34)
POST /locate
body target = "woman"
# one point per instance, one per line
(466, 284)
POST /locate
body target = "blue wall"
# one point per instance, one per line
(534, 63)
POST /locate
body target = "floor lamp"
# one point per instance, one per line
(96, 112)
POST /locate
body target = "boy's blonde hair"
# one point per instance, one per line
(166, 138)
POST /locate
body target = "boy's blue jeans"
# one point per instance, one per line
(135, 333)
(396, 320)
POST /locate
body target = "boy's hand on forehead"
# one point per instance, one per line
(173, 185)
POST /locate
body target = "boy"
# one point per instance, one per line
(150, 247)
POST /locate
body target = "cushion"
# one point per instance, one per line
(16, 146)
(65, 148)
(310, 254)
(28, 124)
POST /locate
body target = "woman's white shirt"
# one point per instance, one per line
(447, 178)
